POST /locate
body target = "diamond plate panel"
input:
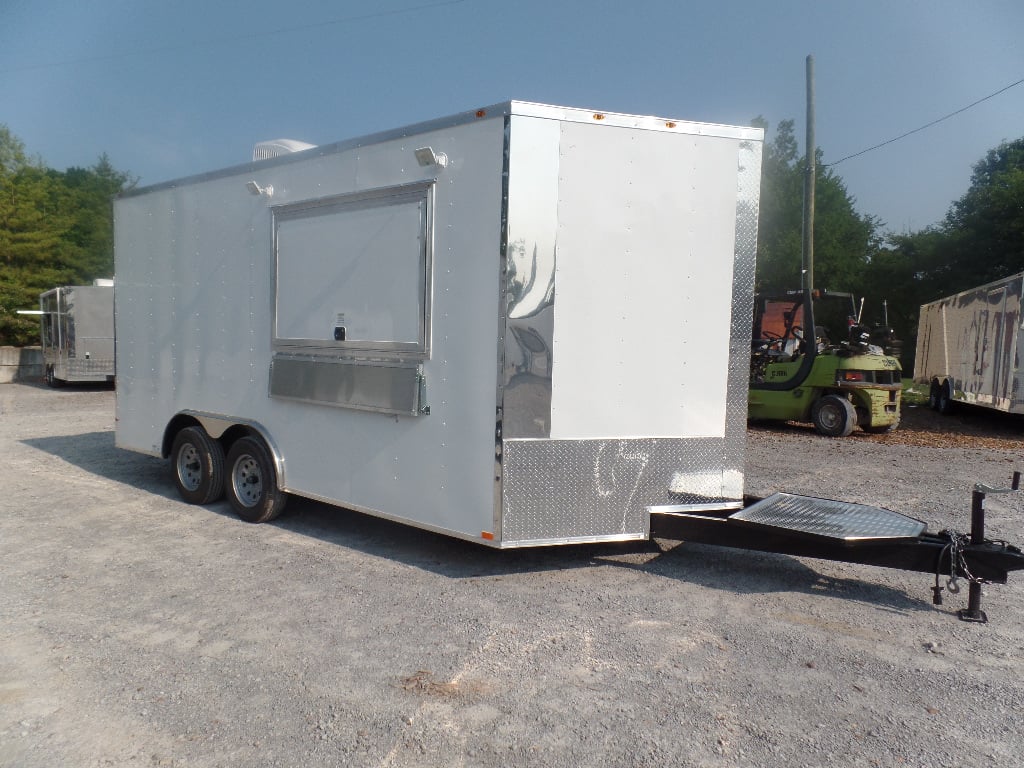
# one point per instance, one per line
(586, 489)
(830, 519)
(747, 201)
(78, 366)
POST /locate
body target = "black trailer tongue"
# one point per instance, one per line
(857, 533)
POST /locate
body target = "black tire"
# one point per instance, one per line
(833, 416)
(251, 482)
(198, 462)
(51, 378)
(945, 404)
(933, 396)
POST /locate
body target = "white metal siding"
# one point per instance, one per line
(194, 296)
(641, 341)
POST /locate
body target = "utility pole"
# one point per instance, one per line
(809, 178)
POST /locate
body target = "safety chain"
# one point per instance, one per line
(957, 562)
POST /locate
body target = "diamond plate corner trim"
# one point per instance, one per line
(571, 489)
(748, 192)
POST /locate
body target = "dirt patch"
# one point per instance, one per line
(965, 427)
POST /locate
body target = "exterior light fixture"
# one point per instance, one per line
(256, 189)
(426, 156)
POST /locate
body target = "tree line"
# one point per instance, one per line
(981, 238)
(56, 228)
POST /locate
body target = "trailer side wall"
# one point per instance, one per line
(971, 340)
(196, 321)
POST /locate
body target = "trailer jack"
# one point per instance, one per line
(857, 533)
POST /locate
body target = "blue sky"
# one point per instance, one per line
(174, 88)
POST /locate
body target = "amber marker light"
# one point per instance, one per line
(599, 116)
(481, 112)
(670, 124)
(487, 535)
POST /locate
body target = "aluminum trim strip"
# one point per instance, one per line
(702, 507)
(572, 540)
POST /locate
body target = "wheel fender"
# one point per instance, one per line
(217, 425)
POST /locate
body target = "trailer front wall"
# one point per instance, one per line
(631, 259)
(971, 339)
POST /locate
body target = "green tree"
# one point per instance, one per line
(844, 240)
(985, 227)
(55, 229)
(981, 239)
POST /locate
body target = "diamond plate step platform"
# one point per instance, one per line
(838, 520)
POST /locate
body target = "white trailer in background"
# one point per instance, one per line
(969, 348)
(520, 325)
(77, 333)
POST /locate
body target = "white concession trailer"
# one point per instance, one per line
(520, 325)
(970, 345)
(77, 333)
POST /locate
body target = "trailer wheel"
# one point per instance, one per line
(50, 377)
(833, 416)
(198, 466)
(251, 482)
(933, 396)
(945, 402)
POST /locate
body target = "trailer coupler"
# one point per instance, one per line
(857, 533)
(974, 556)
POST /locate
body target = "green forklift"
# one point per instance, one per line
(837, 373)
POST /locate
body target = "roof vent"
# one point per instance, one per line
(267, 149)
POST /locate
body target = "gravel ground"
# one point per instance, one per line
(138, 631)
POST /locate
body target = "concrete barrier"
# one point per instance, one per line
(21, 364)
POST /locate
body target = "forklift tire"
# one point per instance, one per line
(945, 402)
(198, 462)
(251, 482)
(833, 416)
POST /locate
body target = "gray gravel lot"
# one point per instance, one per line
(136, 630)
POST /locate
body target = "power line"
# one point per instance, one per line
(234, 38)
(928, 125)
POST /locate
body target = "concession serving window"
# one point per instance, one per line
(352, 272)
(352, 288)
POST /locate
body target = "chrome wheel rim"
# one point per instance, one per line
(190, 467)
(247, 481)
